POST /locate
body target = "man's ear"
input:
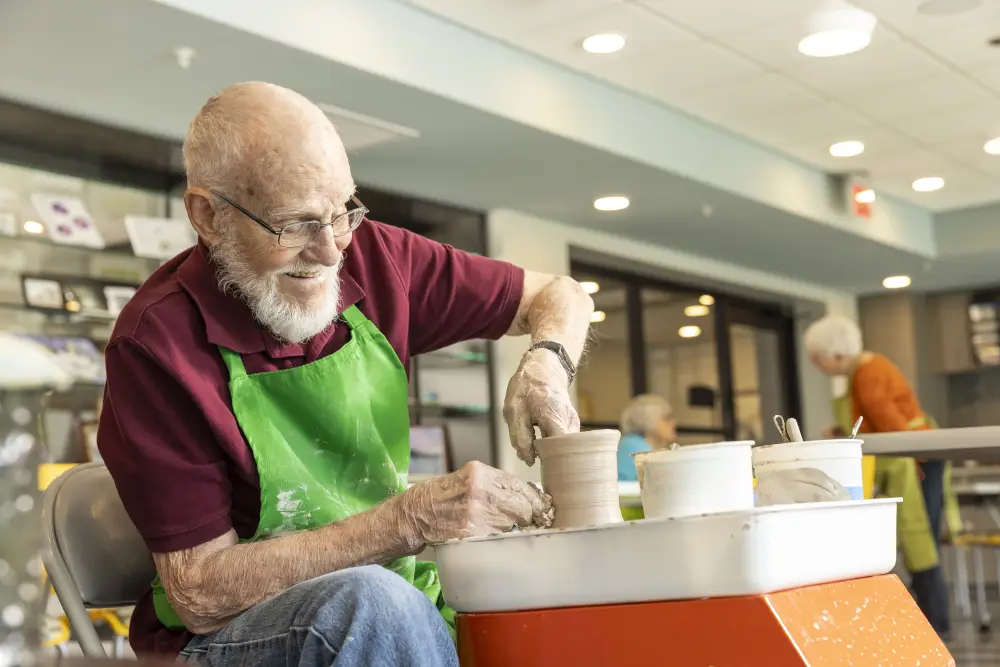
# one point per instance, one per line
(201, 213)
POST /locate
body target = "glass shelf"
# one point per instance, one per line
(120, 250)
(64, 315)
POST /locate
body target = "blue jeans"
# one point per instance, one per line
(353, 618)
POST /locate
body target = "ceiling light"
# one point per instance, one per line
(866, 196)
(847, 149)
(896, 282)
(992, 146)
(32, 227)
(612, 203)
(838, 31)
(689, 331)
(598, 316)
(696, 311)
(603, 44)
(928, 184)
(590, 287)
(706, 299)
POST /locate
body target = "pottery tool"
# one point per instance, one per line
(857, 426)
(792, 430)
(779, 423)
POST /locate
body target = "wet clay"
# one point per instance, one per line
(580, 472)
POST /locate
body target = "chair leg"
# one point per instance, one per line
(984, 614)
(962, 599)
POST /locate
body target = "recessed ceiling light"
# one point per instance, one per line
(604, 43)
(689, 331)
(847, 149)
(928, 184)
(706, 299)
(696, 311)
(992, 146)
(612, 203)
(866, 196)
(838, 32)
(896, 282)
(32, 227)
(590, 287)
(598, 316)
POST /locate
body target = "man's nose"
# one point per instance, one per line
(322, 249)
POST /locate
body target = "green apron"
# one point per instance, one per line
(330, 439)
(898, 477)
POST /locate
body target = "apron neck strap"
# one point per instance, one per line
(354, 317)
(234, 362)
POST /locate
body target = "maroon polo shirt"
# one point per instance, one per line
(168, 434)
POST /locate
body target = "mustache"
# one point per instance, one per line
(300, 267)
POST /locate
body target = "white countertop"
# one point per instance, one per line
(980, 443)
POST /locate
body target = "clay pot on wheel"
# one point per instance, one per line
(580, 472)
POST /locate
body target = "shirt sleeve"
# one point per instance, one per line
(453, 295)
(873, 389)
(169, 469)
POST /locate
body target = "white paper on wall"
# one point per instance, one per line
(117, 297)
(158, 238)
(67, 220)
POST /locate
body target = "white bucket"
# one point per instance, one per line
(840, 459)
(696, 479)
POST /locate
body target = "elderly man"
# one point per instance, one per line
(256, 419)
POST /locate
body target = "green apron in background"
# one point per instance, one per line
(330, 439)
(898, 477)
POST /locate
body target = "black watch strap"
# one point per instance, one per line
(561, 354)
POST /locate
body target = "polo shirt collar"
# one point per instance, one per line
(229, 322)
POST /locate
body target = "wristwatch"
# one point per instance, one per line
(560, 353)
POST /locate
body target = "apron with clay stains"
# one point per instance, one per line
(330, 439)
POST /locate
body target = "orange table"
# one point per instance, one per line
(863, 622)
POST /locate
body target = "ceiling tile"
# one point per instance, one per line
(749, 96)
(777, 44)
(917, 98)
(796, 125)
(968, 150)
(651, 41)
(510, 16)
(903, 16)
(879, 142)
(989, 75)
(718, 17)
(966, 46)
(961, 120)
(886, 62)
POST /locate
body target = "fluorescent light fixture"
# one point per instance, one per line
(838, 30)
(32, 227)
(847, 149)
(928, 184)
(598, 316)
(590, 287)
(611, 203)
(689, 331)
(866, 196)
(706, 299)
(696, 311)
(604, 43)
(992, 146)
(896, 282)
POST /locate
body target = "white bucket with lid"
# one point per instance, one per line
(696, 479)
(840, 459)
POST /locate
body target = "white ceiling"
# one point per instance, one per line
(923, 97)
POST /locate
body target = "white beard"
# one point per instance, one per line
(287, 320)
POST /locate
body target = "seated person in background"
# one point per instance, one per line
(647, 423)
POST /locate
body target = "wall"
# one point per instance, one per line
(544, 245)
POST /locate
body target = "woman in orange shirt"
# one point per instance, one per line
(880, 393)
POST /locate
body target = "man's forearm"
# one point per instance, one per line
(556, 309)
(210, 585)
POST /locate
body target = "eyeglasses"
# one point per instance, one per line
(298, 234)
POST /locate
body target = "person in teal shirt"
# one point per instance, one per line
(646, 423)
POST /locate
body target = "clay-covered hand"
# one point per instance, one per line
(476, 500)
(538, 395)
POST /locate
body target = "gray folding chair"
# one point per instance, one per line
(93, 554)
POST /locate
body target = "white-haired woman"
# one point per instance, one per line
(646, 423)
(880, 393)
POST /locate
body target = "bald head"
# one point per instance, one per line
(254, 140)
